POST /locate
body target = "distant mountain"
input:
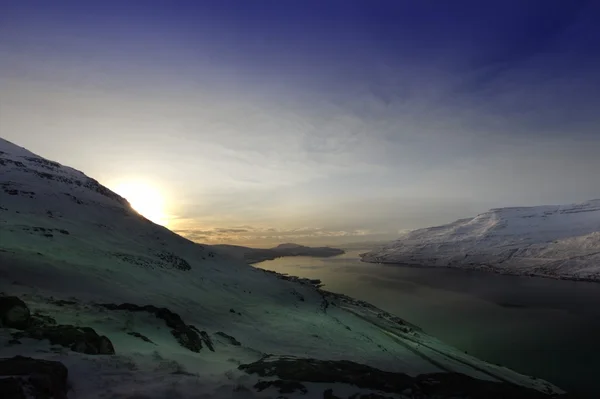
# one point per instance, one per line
(255, 255)
(98, 302)
(561, 241)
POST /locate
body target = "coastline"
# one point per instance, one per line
(489, 269)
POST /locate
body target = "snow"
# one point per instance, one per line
(63, 235)
(561, 241)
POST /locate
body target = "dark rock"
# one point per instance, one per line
(12, 388)
(39, 319)
(194, 328)
(173, 260)
(78, 339)
(207, 340)
(188, 338)
(327, 371)
(184, 334)
(328, 394)
(281, 385)
(436, 385)
(446, 385)
(229, 338)
(140, 336)
(14, 313)
(46, 379)
(106, 347)
(62, 302)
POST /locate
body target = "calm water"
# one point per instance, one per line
(542, 327)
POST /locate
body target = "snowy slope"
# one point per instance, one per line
(64, 236)
(555, 241)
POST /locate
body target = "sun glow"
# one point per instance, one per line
(145, 200)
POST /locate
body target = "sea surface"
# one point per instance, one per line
(537, 326)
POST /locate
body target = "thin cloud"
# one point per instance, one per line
(268, 235)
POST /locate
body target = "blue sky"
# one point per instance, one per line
(311, 121)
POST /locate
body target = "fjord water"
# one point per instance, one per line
(542, 327)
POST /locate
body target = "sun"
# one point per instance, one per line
(145, 200)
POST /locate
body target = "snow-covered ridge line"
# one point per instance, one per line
(558, 241)
(13, 157)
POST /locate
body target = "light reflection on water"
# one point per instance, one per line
(542, 327)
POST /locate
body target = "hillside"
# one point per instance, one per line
(255, 255)
(561, 241)
(99, 302)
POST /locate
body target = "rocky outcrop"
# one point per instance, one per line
(229, 338)
(14, 313)
(141, 336)
(173, 260)
(206, 339)
(78, 339)
(43, 378)
(281, 385)
(188, 336)
(12, 388)
(324, 371)
(437, 385)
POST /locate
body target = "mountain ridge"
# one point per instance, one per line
(184, 320)
(559, 241)
(256, 255)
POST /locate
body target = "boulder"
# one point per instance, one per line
(12, 388)
(78, 339)
(14, 313)
(44, 378)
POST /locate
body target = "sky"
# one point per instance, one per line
(316, 122)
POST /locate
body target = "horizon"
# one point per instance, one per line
(318, 123)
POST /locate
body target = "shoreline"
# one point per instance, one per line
(253, 262)
(489, 269)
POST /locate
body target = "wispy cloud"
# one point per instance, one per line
(272, 236)
(382, 116)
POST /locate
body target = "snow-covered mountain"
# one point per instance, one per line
(133, 310)
(554, 241)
